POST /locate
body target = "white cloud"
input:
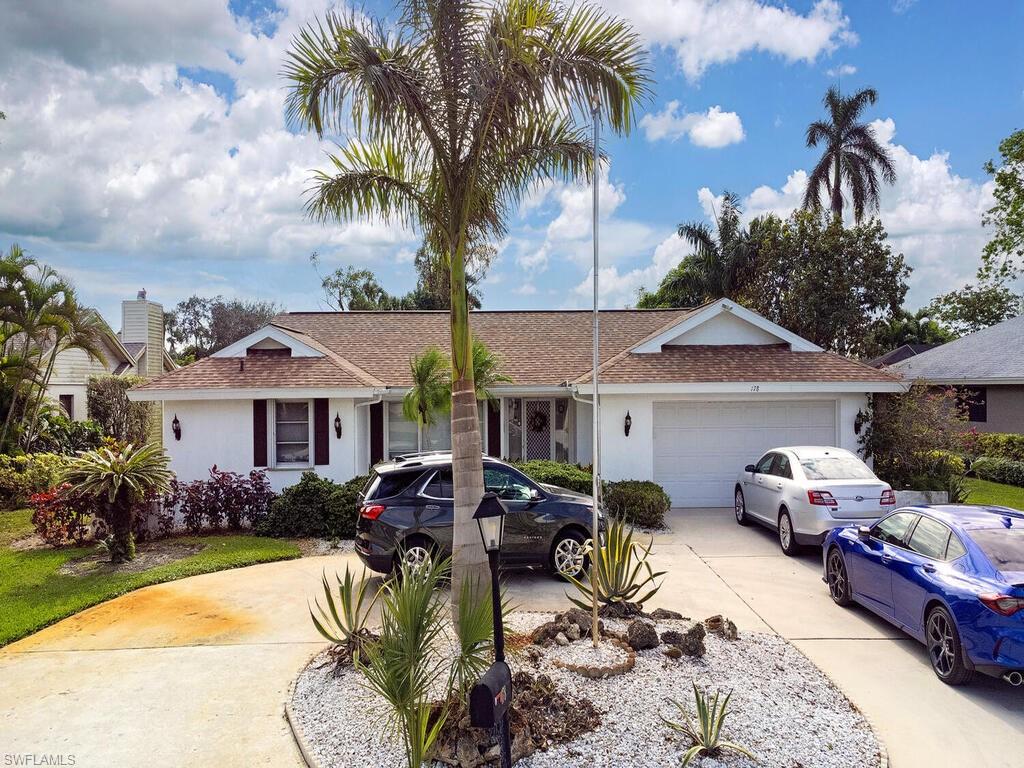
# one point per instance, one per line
(843, 70)
(713, 128)
(703, 33)
(617, 289)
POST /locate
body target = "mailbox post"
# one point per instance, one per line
(490, 698)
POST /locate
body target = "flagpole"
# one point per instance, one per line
(596, 408)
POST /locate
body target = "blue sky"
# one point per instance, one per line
(147, 147)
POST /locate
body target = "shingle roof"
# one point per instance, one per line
(538, 348)
(990, 354)
(134, 348)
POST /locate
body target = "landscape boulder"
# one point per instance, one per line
(642, 635)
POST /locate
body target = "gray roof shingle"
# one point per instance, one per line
(987, 355)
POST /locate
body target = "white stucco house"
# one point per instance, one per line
(706, 391)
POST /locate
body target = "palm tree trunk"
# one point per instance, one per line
(41, 395)
(837, 190)
(15, 393)
(469, 560)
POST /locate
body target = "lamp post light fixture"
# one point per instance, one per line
(496, 684)
(337, 425)
(176, 427)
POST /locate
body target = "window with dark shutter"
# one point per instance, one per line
(259, 433)
(321, 431)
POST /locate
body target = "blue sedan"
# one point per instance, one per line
(950, 575)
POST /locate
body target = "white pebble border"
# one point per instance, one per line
(783, 708)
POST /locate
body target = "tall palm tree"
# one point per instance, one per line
(458, 109)
(853, 156)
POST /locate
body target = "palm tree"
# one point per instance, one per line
(714, 269)
(431, 391)
(486, 370)
(119, 480)
(852, 156)
(458, 109)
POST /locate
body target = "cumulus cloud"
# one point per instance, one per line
(712, 129)
(843, 70)
(703, 33)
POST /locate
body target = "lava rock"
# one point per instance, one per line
(642, 635)
(673, 652)
(693, 641)
(573, 632)
(721, 626)
(661, 614)
(561, 639)
(620, 610)
(672, 637)
(545, 633)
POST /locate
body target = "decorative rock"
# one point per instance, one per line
(721, 626)
(620, 610)
(673, 652)
(672, 637)
(642, 635)
(693, 641)
(561, 639)
(573, 632)
(660, 614)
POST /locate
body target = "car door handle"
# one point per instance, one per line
(886, 559)
(928, 568)
(778, 487)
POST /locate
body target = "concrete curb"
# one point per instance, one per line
(293, 725)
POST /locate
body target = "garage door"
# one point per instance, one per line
(700, 447)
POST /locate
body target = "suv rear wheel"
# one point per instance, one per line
(416, 552)
(567, 558)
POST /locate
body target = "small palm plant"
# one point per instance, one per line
(120, 479)
(431, 391)
(706, 732)
(621, 570)
(345, 628)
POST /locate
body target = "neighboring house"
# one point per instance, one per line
(899, 354)
(988, 365)
(126, 353)
(704, 391)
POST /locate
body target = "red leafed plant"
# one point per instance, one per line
(61, 518)
(227, 498)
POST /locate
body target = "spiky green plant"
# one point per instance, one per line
(404, 666)
(706, 732)
(346, 628)
(621, 569)
(120, 480)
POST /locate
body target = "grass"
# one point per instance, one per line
(987, 492)
(33, 594)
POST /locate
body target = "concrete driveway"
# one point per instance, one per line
(195, 672)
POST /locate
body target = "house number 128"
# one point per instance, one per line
(755, 388)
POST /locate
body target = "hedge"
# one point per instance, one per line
(570, 476)
(23, 476)
(315, 507)
(996, 445)
(999, 470)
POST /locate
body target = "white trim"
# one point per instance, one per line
(298, 348)
(272, 434)
(701, 316)
(254, 393)
(750, 388)
(481, 404)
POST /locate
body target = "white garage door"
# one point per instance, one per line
(700, 447)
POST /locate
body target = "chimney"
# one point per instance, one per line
(142, 321)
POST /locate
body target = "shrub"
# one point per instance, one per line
(999, 470)
(59, 517)
(997, 445)
(227, 498)
(108, 405)
(621, 569)
(569, 476)
(59, 434)
(23, 476)
(638, 502)
(706, 732)
(315, 507)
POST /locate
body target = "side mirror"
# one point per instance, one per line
(749, 468)
(863, 532)
(534, 495)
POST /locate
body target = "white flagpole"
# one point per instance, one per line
(596, 407)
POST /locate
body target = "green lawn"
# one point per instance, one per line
(987, 492)
(33, 594)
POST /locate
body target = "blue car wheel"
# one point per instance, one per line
(838, 578)
(944, 648)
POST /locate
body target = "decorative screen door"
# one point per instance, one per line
(538, 429)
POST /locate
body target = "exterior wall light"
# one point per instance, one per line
(860, 421)
(176, 427)
(337, 425)
(627, 424)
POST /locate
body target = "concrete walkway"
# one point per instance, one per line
(195, 672)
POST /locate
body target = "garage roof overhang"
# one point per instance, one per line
(753, 388)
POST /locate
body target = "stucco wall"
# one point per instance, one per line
(1005, 410)
(220, 432)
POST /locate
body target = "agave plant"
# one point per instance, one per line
(706, 733)
(403, 666)
(346, 628)
(621, 570)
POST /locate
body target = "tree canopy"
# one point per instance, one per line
(1003, 257)
(974, 307)
(198, 326)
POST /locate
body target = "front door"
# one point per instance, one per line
(538, 429)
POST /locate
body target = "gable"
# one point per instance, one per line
(724, 328)
(270, 338)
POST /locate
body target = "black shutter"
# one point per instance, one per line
(259, 433)
(321, 431)
(376, 433)
(493, 410)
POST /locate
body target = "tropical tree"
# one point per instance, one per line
(431, 390)
(486, 370)
(853, 156)
(1003, 256)
(120, 480)
(974, 307)
(905, 327)
(716, 266)
(457, 110)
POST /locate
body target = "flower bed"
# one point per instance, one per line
(783, 708)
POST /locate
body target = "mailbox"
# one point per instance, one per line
(490, 696)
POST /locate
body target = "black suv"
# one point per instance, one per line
(407, 511)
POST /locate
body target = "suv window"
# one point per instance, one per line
(930, 538)
(508, 486)
(782, 467)
(894, 528)
(764, 466)
(386, 486)
(440, 485)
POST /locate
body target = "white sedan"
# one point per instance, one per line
(804, 492)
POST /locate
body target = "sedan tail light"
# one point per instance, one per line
(371, 511)
(822, 499)
(1004, 605)
(888, 497)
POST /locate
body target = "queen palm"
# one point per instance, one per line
(853, 156)
(457, 111)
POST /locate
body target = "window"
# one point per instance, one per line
(67, 402)
(893, 529)
(406, 436)
(930, 538)
(291, 432)
(1004, 547)
(508, 486)
(836, 468)
(781, 466)
(955, 548)
(764, 466)
(440, 485)
(386, 486)
(403, 435)
(976, 400)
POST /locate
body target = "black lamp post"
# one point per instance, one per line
(490, 516)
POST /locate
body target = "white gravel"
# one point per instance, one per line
(783, 709)
(584, 652)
